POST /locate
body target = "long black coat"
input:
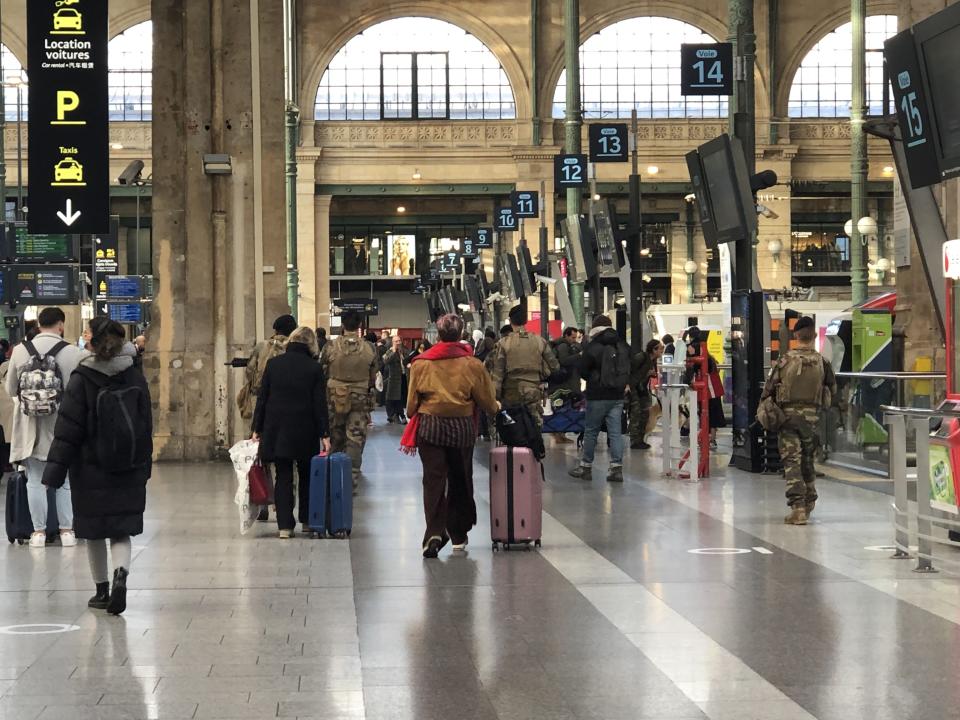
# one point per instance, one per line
(105, 505)
(291, 414)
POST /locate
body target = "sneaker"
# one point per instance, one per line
(38, 539)
(797, 516)
(713, 445)
(432, 549)
(641, 445)
(68, 538)
(459, 547)
(581, 471)
(286, 534)
(118, 595)
(562, 439)
(615, 474)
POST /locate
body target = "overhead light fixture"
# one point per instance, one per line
(646, 278)
(645, 251)
(663, 239)
(690, 267)
(417, 175)
(597, 197)
(888, 170)
(401, 209)
(653, 170)
(116, 146)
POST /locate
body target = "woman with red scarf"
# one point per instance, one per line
(447, 387)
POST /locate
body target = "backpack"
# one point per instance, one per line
(40, 387)
(615, 367)
(801, 380)
(122, 422)
(348, 359)
(516, 427)
(247, 398)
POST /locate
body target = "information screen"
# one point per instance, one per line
(23, 247)
(123, 286)
(41, 285)
(125, 312)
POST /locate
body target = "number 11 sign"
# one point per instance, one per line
(706, 69)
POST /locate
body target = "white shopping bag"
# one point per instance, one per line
(242, 455)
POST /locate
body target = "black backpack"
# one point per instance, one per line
(516, 427)
(615, 366)
(122, 422)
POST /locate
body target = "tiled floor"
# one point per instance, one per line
(614, 619)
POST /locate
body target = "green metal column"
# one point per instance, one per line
(691, 230)
(858, 150)
(742, 123)
(292, 139)
(572, 127)
(3, 127)
(534, 77)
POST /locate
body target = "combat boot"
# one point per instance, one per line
(797, 516)
(810, 506)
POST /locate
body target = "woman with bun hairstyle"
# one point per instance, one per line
(103, 438)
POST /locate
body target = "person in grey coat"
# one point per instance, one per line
(395, 362)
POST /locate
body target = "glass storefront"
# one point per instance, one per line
(391, 251)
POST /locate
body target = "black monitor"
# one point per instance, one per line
(508, 272)
(938, 49)
(722, 186)
(471, 284)
(581, 257)
(525, 265)
(610, 258)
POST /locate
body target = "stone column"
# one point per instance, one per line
(203, 225)
(307, 236)
(322, 258)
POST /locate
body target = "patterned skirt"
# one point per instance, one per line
(447, 431)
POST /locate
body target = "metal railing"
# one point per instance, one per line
(902, 422)
(852, 432)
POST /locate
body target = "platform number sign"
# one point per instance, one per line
(526, 204)
(484, 238)
(909, 95)
(706, 69)
(609, 142)
(469, 246)
(569, 171)
(506, 219)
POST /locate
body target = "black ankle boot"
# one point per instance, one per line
(102, 598)
(118, 597)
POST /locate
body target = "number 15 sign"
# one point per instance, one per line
(706, 69)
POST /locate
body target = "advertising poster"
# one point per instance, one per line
(943, 493)
(401, 255)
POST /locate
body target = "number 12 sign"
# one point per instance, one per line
(569, 171)
(706, 69)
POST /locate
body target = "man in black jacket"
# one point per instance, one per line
(605, 364)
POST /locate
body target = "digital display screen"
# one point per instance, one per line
(24, 247)
(40, 285)
(942, 55)
(123, 286)
(726, 213)
(125, 312)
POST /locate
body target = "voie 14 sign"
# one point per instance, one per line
(69, 181)
(706, 69)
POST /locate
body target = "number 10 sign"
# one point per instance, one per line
(706, 69)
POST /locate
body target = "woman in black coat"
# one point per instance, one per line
(104, 438)
(291, 423)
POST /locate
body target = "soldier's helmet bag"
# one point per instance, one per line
(801, 380)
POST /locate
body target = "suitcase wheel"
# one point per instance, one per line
(496, 547)
(538, 544)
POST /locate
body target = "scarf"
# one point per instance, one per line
(440, 351)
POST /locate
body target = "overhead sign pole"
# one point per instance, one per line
(68, 123)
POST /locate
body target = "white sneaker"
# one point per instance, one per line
(68, 538)
(39, 539)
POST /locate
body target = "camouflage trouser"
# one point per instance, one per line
(348, 431)
(527, 395)
(797, 441)
(639, 416)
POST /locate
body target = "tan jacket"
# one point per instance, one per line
(449, 388)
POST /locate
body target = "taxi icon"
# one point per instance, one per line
(68, 170)
(67, 19)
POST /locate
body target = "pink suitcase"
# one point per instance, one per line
(516, 497)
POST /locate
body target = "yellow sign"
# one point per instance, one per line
(68, 173)
(67, 20)
(67, 102)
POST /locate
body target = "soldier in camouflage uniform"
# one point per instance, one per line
(522, 363)
(643, 367)
(803, 384)
(350, 364)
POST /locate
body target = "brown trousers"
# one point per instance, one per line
(448, 503)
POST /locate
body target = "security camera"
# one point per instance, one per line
(131, 174)
(545, 279)
(767, 212)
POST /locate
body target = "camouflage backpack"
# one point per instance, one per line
(802, 380)
(247, 398)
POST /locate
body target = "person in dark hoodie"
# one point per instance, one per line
(605, 364)
(104, 438)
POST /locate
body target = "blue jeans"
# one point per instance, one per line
(597, 412)
(37, 497)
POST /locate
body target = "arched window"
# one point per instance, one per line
(130, 57)
(821, 87)
(13, 78)
(414, 68)
(636, 64)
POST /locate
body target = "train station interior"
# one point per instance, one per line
(259, 158)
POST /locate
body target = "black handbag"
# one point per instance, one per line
(516, 427)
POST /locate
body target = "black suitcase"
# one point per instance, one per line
(19, 523)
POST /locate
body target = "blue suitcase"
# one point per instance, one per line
(331, 495)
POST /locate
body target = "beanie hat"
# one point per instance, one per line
(803, 323)
(285, 325)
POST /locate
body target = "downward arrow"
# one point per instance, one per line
(70, 217)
